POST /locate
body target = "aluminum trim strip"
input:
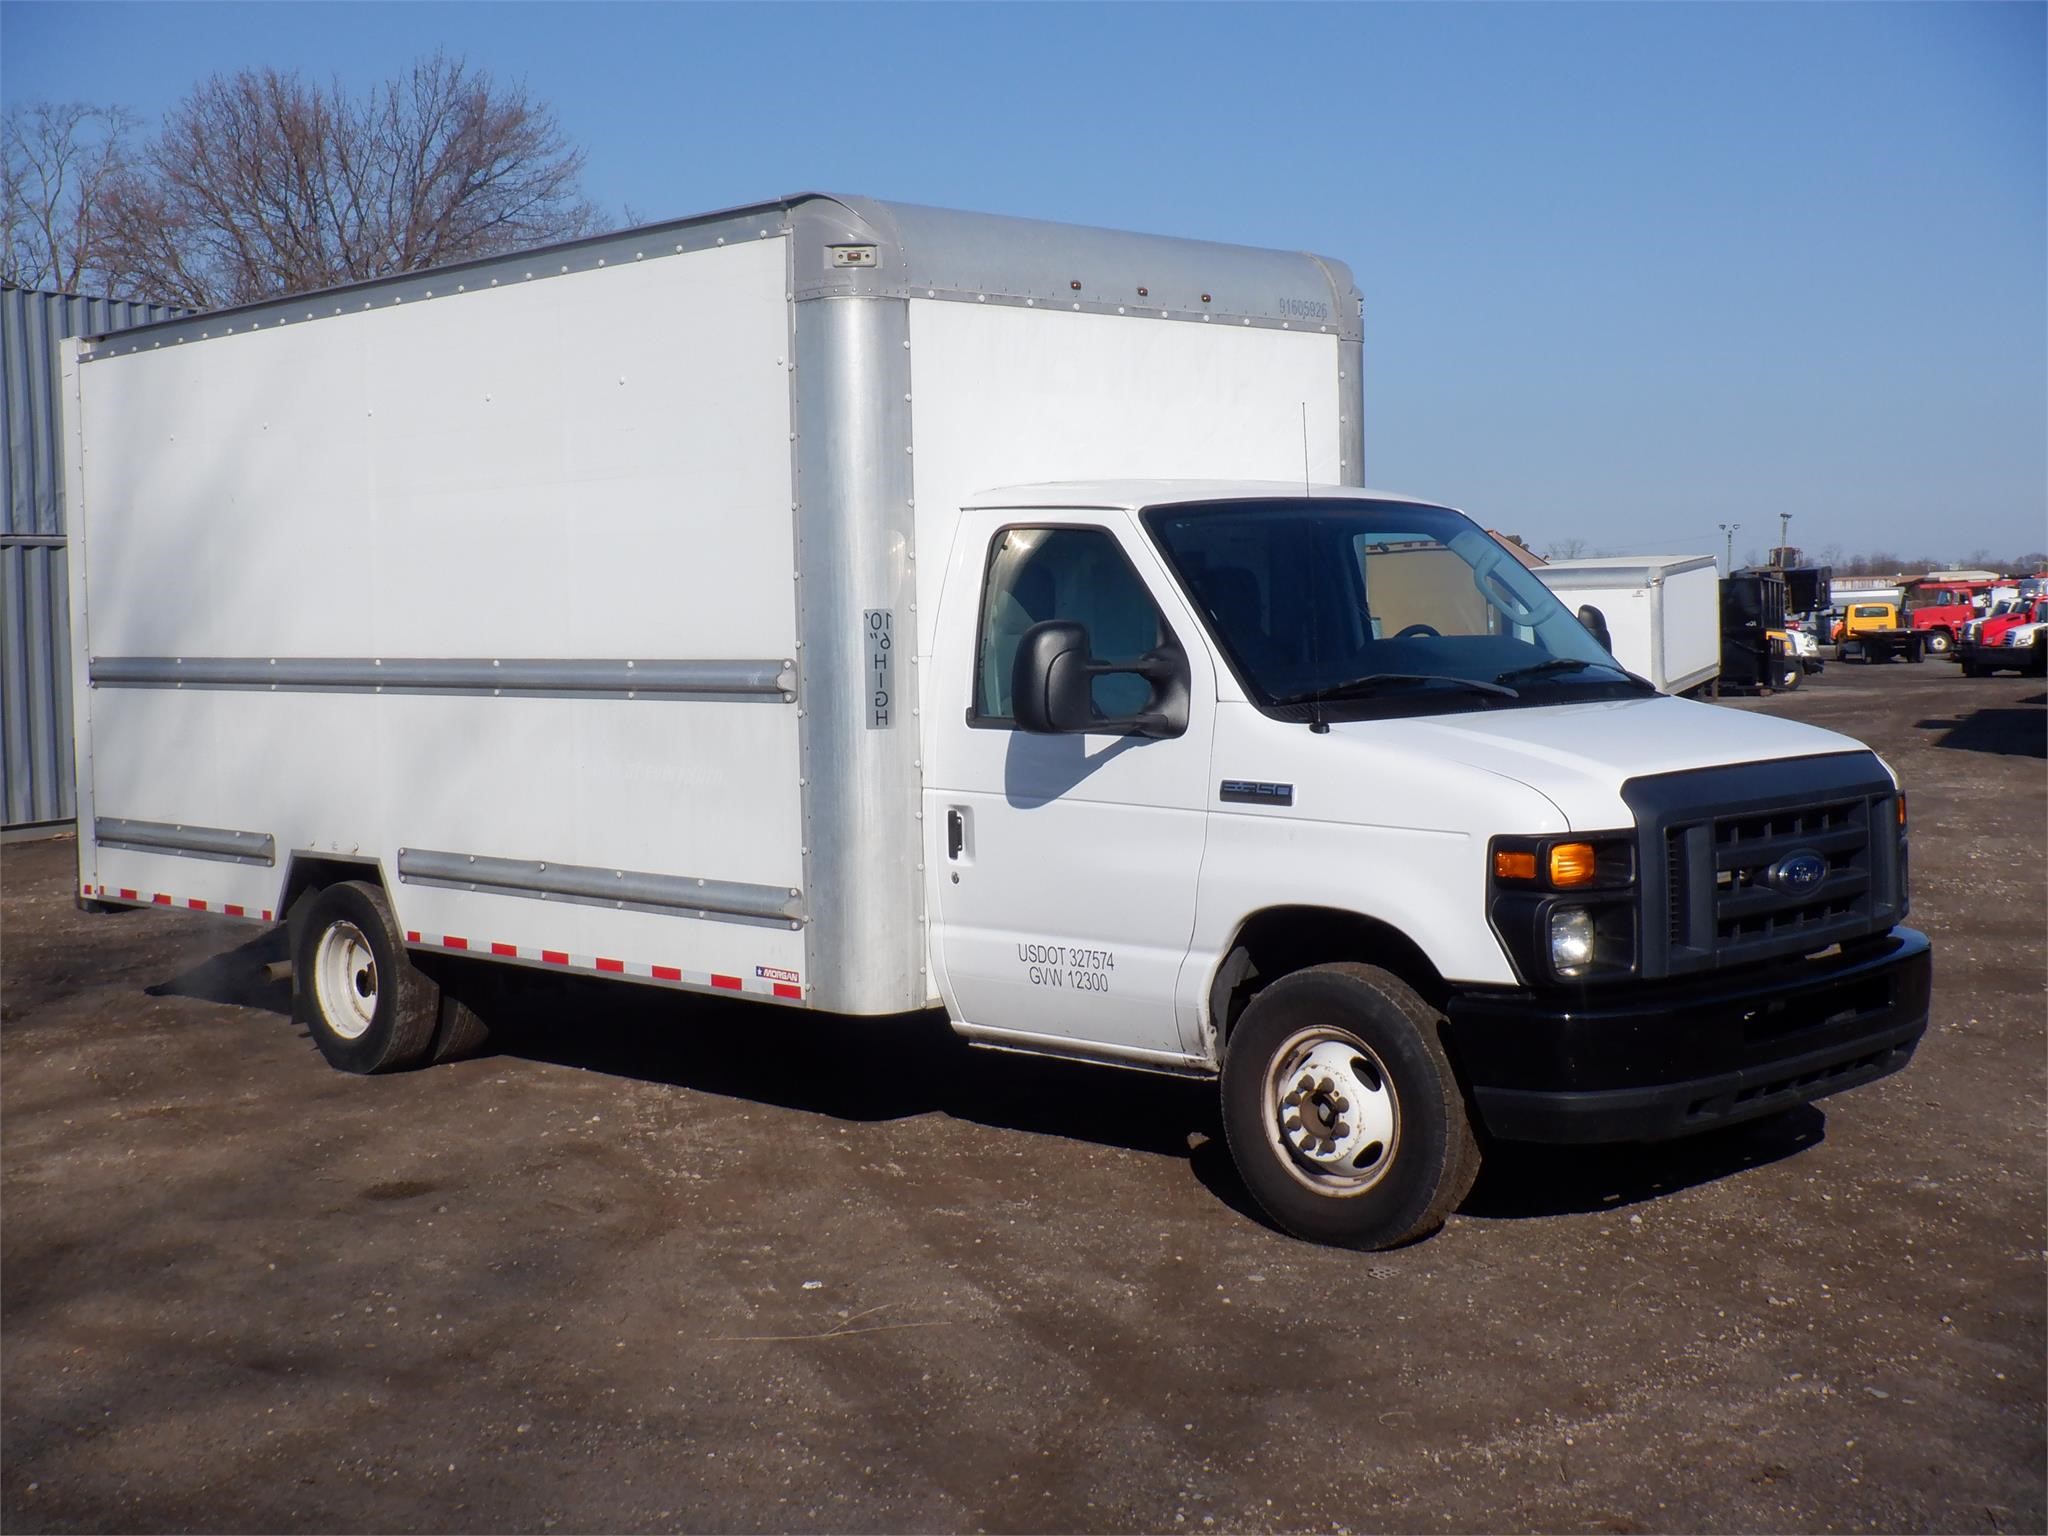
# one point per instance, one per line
(583, 882)
(184, 841)
(935, 253)
(1106, 1052)
(768, 682)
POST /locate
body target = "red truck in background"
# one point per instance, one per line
(1940, 612)
(1983, 649)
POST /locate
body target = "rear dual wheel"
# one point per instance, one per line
(358, 993)
(1342, 1112)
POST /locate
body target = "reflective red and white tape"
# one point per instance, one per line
(604, 965)
(188, 903)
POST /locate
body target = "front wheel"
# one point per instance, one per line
(1788, 679)
(1342, 1111)
(1938, 642)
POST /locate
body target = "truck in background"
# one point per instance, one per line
(1661, 612)
(1989, 645)
(641, 608)
(1756, 651)
(1939, 612)
(1876, 632)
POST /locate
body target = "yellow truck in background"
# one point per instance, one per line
(1876, 631)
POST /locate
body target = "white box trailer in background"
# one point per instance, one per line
(640, 607)
(1663, 612)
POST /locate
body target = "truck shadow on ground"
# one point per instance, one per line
(1521, 1180)
(865, 1070)
(238, 977)
(2018, 732)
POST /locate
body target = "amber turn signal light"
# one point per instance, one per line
(1571, 864)
(1514, 866)
(1902, 809)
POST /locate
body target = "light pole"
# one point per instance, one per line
(1730, 529)
(1784, 536)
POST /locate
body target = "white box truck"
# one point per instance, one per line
(1662, 612)
(642, 607)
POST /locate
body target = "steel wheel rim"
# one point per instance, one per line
(1330, 1112)
(345, 980)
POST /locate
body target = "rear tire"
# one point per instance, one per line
(354, 987)
(1342, 1111)
(463, 1029)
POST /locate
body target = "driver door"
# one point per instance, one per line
(1067, 864)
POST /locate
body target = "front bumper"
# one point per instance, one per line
(1669, 1059)
(2005, 658)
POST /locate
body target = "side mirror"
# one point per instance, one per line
(1596, 624)
(1050, 685)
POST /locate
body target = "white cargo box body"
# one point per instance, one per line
(1663, 612)
(579, 595)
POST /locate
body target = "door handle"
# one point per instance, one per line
(956, 832)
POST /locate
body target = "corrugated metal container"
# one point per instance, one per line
(35, 632)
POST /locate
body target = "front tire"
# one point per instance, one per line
(1342, 1112)
(354, 987)
(1938, 642)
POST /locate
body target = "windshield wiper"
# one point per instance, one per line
(1373, 682)
(1563, 664)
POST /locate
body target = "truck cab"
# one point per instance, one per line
(1984, 649)
(1874, 632)
(2012, 642)
(1940, 615)
(1322, 791)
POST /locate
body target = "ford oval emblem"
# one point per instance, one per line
(1798, 873)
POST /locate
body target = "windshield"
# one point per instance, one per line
(1351, 606)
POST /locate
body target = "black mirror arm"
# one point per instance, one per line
(1166, 669)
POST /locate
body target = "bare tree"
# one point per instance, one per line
(1564, 549)
(60, 161)
(261, 184)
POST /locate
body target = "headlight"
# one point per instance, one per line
(1564, 907)
(1572, 941)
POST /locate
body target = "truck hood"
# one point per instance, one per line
(1579, 755)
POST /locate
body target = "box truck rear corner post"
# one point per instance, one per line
(652, 608)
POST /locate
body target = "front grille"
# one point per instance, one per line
(1799, 1087)
(1730, 842)
(1751, 911)
(1674, 885)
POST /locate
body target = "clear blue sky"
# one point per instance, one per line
(1629, 271)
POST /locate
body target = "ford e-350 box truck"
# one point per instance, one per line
(642, 607)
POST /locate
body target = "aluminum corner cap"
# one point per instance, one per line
(946, 253)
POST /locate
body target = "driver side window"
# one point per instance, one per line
(1036, 574)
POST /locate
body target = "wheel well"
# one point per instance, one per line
(1281, 940)
(308, 873)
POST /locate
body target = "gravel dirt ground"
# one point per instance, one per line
(694, 1265)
